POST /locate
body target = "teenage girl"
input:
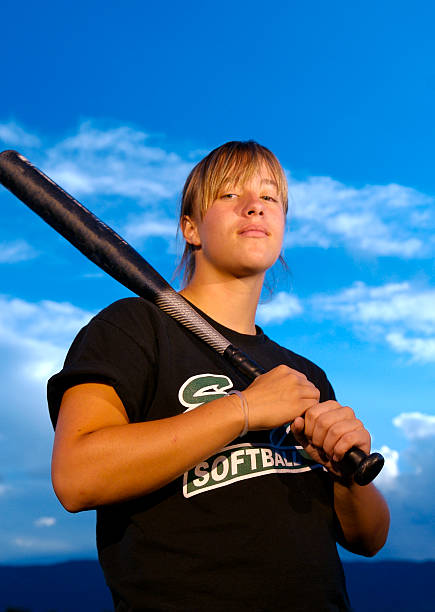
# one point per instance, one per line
(205, 498)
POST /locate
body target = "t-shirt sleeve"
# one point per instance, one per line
(326, 390)
(106, 351)
(318, 377)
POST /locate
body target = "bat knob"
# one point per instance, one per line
(363, 468)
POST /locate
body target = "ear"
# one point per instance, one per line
(190, 231)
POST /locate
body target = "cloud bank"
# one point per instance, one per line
(410, 493)
(18, 250)
(401, 314)
(379, 220)
(283, 306)
(39, 333)
(112, 164)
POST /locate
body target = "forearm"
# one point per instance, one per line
(100, 458)
(364, 517)
(121, 462)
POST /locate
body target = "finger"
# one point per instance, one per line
(283, 370)
(336, 432)
(297, 428)
(358, 437)
(296, 373)
(308, 391)
(327, 417)
(316, 415)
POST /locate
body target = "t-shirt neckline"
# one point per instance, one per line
(233, 336)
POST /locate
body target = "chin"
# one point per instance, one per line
(253, 269)
(258, 261)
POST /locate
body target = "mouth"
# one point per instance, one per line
(254, 231)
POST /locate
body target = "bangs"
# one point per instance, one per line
(240, 163)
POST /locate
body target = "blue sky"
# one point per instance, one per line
(117, 102)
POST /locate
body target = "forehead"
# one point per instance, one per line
(261, 176)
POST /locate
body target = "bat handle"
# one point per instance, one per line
(242, 362)
(361, 467)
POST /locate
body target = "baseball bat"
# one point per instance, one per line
(109, 251)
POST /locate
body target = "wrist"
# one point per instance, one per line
(244, 408)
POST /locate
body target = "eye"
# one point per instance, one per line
(228, 196)
(269, 198)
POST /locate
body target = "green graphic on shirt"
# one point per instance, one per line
(203, 388)
(241, 461)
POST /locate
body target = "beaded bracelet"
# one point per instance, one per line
(245, 409)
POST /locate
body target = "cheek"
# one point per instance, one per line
(213, 239)
(213, 229)
(280, 226)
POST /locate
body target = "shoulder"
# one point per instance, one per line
(127, 309)
(132, 316)
(127, 326)
(118, 347)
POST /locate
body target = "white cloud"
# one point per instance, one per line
(13, 135)
(150, 227)
(282, 307)
(42, 545)
(407, 484)
(116, 162)
(388, 476)
(379, 220)
(390, 303)
(41, 331)
(45, 521)
(19, 250)
(415, 425)
(401, 314)
(3, 489)
(106, 167)
(419, 349)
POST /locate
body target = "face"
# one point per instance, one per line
(241, 233)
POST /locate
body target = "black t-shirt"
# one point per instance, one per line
(250, 528)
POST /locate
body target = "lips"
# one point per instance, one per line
(254, 231)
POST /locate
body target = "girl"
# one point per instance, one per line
(192, 514)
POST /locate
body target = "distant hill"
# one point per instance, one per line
(78, 586)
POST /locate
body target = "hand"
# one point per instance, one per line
(278, 397)
(327, 431)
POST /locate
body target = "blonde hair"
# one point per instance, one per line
(233, 160)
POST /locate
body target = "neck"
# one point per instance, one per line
(231, 302)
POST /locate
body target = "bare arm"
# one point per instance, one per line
(100, 458)
(327, 432)
(364, 517)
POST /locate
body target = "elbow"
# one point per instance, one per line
(364, 548)
(370, 550)
(71, 500)
(71, 495)
(369, 543)
(378, 543)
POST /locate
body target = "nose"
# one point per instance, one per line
(252, 205)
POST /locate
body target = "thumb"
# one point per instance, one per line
(297, 428)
